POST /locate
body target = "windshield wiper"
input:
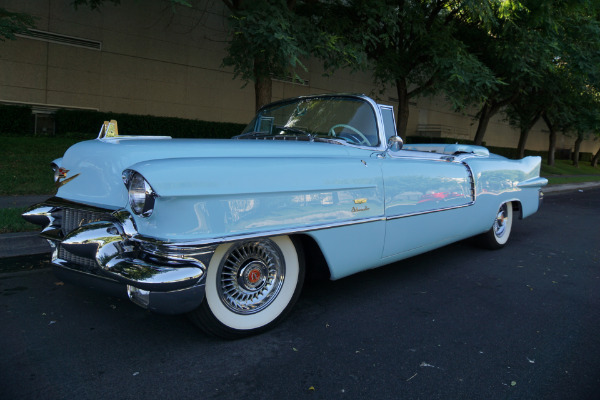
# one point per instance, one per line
(295, 133)
(329, 140)
(294, 130)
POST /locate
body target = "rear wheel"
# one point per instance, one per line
(250, 286)
(499, 233)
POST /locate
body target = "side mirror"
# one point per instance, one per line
(395, 143)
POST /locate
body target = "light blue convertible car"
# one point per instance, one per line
(224, 230)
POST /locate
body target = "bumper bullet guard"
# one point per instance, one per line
(101, 249)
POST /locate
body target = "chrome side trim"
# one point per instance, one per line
(181, 246)
(428, 211)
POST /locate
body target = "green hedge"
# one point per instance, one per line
(16, 119)
(89, 122)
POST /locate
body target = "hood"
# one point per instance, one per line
(95, 167)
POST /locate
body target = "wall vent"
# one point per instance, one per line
(61, 39)
(289, 79)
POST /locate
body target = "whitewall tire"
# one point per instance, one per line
(251, 286)
(499, 233)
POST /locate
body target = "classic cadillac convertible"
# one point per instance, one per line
(224, 230)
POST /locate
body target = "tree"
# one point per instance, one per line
(571, 87)
(12, 23)
(269, 37)
(414, 46)
(517, 49)
(523, 114)
(595, 158)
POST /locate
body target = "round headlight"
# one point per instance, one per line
(141, 195)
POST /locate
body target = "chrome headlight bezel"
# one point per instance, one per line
(140, 194)
(57, 171)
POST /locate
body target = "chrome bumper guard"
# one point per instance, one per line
(101, 243)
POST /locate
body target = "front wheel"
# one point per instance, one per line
(499, 233)
(250, 286)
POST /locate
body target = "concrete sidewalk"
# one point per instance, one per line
(28, 243)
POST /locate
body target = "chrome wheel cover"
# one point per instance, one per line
(250, 276)
(500, 222)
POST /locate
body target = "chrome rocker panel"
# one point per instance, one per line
(103, 255)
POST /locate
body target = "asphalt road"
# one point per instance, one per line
(456, 323)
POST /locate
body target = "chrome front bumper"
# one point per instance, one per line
(99, 248)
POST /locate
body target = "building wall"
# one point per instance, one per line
(159, 62)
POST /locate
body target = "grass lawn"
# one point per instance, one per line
(13, 222)
(25, 163)
(566, 167)
(563, 171)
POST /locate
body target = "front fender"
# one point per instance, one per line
(202, 198)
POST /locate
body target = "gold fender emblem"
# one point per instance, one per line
(359, 209)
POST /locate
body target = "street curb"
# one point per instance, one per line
(567, 187)
(21, 201)
(22, 244)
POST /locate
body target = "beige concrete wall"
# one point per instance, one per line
(157, 62)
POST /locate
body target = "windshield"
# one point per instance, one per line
(335, 119)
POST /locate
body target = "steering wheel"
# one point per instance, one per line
(360, 138)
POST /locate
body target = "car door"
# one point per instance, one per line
(423, 193)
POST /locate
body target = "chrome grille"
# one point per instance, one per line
(84, 263)
(73, 218)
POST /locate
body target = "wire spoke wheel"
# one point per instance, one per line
(251, 276)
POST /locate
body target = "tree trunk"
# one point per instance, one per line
(490, 108)
(525, 133)
(263, 88)
(577, 148)
(596, 158)
(403, 108)
(522, 142)
(551, 141)
(263, 85)
(484, 120)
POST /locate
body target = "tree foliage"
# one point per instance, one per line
(12, 23)
(415, 46)
(269, 38)
(564, 88)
